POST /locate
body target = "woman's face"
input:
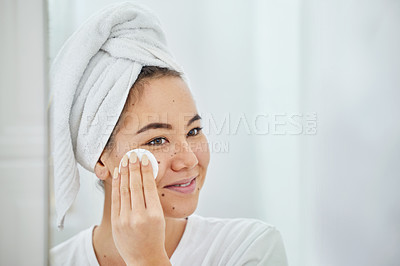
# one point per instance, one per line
(165, 121)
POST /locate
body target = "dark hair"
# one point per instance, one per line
(147, 72)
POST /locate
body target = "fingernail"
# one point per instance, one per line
(115, 173)
(145, 160)
(133, 157)
(125, 161)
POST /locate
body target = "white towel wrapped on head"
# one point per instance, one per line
(90, 81)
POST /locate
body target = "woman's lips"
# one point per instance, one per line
(186, 190)
(183, 181)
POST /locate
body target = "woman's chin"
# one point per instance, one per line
(179, 210)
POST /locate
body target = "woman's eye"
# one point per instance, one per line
(195, 131)
(156, 142)
(160, 141)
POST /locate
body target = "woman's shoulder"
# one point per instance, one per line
(237, 241)
(237, 224)
(76, 250)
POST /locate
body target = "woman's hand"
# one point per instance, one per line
(137, 218)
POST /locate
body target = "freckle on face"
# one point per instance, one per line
(173, 208)
(162, 194)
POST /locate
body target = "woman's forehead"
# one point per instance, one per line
(163, 100)
(163, 97)
(133, 126)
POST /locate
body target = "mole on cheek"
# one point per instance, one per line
(162, 194)
(158, 162)
(173, 208)
(173, 101)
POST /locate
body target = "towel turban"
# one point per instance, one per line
(90, 80)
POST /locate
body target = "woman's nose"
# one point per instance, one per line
(184, 157)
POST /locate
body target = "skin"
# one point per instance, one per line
(144, 226)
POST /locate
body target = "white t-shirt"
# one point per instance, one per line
(205, 241)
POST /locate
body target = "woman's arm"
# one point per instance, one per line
(137, 217)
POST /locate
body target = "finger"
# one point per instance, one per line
(152, 199)
(115, 196)
(124, 187)
(135, 178)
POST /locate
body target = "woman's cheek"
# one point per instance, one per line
(162, 159)
(202, 152)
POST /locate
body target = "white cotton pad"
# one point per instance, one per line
(139, 153)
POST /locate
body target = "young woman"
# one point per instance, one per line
(146, 221)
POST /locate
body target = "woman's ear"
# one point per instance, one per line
(101, 170)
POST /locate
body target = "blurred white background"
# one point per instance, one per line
(310, 90)
(23, 133)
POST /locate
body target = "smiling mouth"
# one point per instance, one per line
(182, 183)
(186, 188)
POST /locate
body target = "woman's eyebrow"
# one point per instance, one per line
(194, 118)
(164, 125)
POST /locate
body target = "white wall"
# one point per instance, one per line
(351, 66)
(276, 47)
(23, 133)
